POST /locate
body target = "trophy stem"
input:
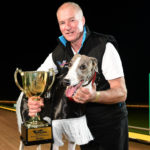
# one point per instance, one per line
(35, 122)
(36, 118)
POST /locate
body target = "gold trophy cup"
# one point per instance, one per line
(35, 83)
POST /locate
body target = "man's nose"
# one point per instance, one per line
(67, 26)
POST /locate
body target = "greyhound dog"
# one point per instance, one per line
(81, 72)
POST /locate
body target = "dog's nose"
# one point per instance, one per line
(66, 82)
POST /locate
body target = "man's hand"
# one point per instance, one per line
(84, 95)
(34, 105)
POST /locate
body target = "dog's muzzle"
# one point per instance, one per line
(66, 82)
(71, 90)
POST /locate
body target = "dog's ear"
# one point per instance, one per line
(95, 64)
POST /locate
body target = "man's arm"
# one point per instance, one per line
(48, 63)
(117, 93)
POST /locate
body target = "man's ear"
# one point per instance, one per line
(83, 20)
(95, 64)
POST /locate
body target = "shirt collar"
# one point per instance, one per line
(64, 41)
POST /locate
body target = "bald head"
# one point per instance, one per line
(70, 5)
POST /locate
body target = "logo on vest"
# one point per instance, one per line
(62, 64)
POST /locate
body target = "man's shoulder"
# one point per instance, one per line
(102, 36)
(105, 38)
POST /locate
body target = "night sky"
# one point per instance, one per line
(29, 33)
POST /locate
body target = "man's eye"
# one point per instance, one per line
(83, 67)
(61, 23)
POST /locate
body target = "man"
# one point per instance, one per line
(106, 110)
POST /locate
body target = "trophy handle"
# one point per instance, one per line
(53, 74)
(16, 80)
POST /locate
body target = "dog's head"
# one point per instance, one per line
(81, 70)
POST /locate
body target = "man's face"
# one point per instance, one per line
(71, 23)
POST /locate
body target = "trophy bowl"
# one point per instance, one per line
(35, 84)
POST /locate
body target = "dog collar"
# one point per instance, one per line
(92, 79)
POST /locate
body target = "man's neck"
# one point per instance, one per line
(76, 45)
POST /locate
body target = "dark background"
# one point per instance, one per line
(29, 32)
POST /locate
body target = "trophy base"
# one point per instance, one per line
(36, 136)
(35, 124)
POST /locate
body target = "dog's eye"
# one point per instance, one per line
(82, 67)
(70, 64)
